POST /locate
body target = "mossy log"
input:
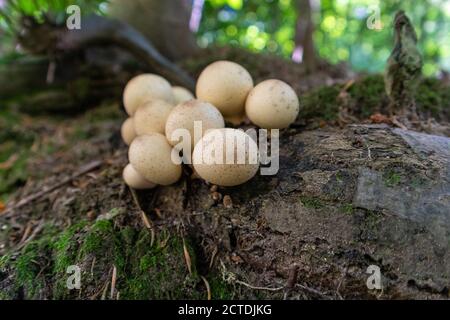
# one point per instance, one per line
(344, 199)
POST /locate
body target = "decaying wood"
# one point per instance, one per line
(343, 199)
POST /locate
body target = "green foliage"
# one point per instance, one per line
(341, 31)
(255, 25)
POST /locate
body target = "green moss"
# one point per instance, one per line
(310, 202)
(64, 247)
(392, 178)
(161, 271)
(64, 255)
(220, 290)
(145, 270)
(31, 264)
(367, 95)
(347, 208)
(321, 103)
(434, 97)
(96, 238)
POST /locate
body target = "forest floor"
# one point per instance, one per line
(181, 242)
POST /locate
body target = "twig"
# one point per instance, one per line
(187, 257)
(208, 288)
(211, 262)
(113, 282)
(398, 123)
(103, 297)
(292, 280)
(36, 196)
(312, 290)
(340, 283)
(258, 288)
(145, 220)
(31, 237)
(26, 233)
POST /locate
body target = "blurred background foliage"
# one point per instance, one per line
(340, 27)
(341, 31)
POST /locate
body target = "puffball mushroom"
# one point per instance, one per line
(150, 155)
(272, 104)
(225, 84)
(181, 94)
(151, 116)
(184, 115)
(226, 157)
(127, 131)
(144, 87)
(134, 180)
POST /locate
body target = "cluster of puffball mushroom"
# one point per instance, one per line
(224, 92)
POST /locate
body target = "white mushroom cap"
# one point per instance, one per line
(150, 155)
(151, 116)
(226, 157)
(225, 84)
(272, 104)
(134, 180)
(144, 87)
(127, 131)
(181, 94)
(184, 115)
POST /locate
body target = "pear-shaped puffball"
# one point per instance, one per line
(144, 87)
(225, 84)
(151, 116)
(272, 104)
(226, 157)
(181, 94)
(184, 116)
(151, 156)
(127, 131)
(134, 180)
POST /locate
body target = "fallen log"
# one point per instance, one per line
(343, 200)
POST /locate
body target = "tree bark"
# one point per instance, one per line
(164, 23)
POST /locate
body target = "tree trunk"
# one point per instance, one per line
(164, 23)
(304, 34)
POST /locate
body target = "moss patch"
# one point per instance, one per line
(367, 96)
(320, 103)
(347, 208)
(313, 203)
(145, 270)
